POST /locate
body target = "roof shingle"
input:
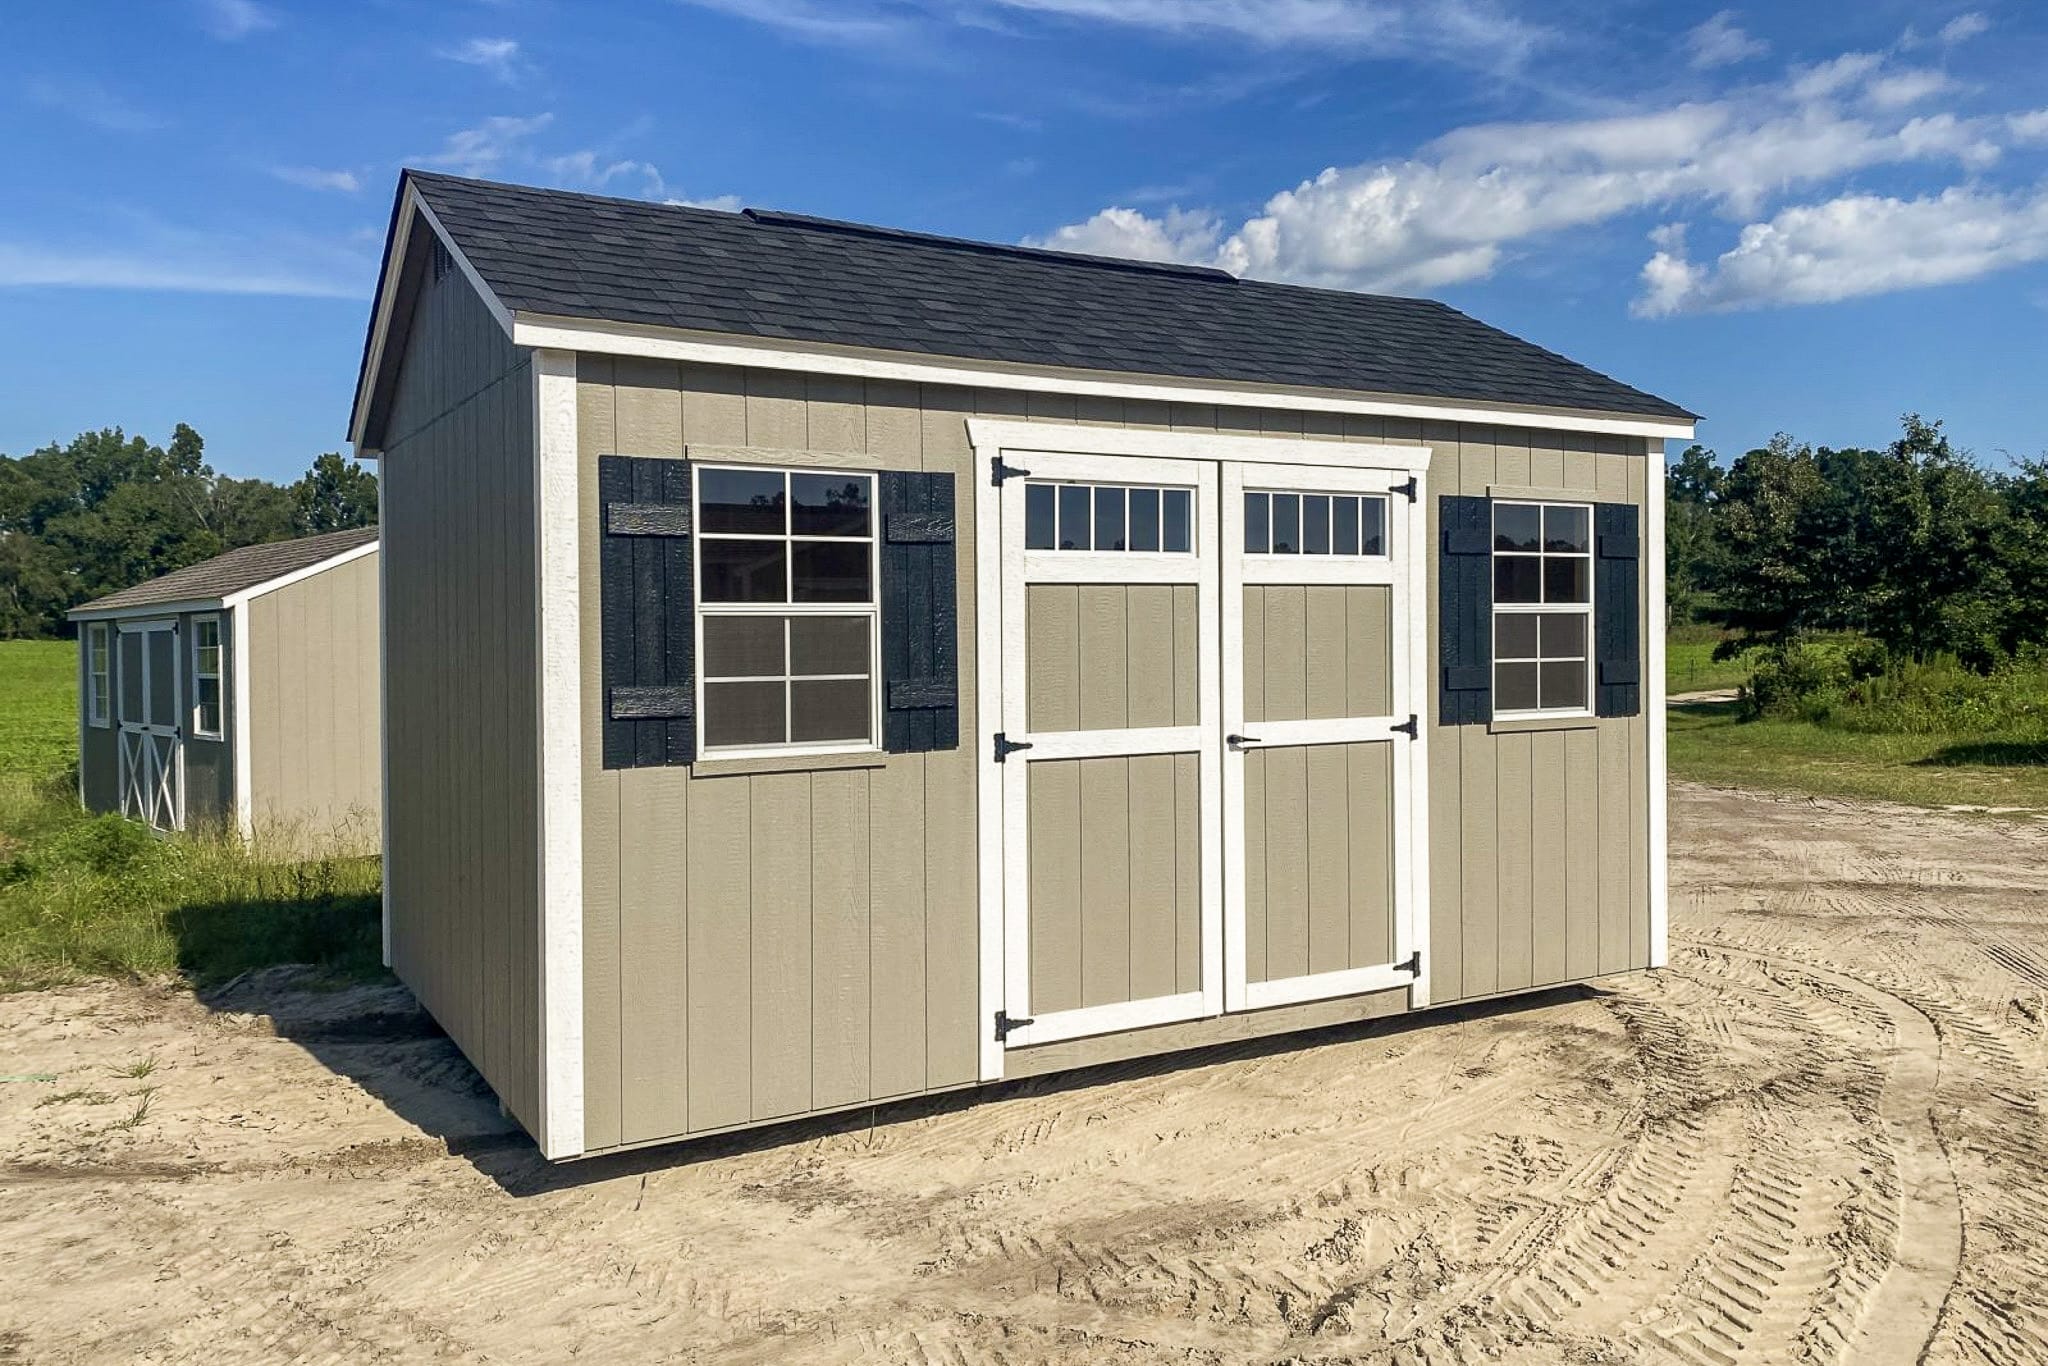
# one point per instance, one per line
(234, 571)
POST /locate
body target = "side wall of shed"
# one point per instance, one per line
(460, 673)
(315, 730)
(209, 764)
(98, 746)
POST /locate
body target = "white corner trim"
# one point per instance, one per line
(988, 716)
(1654, 709)
(383, 732)
(559, 728)
(241, 725)
(714, 348)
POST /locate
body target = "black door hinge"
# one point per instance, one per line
(1005, 746)
(1412, 965)
(1411, 488)
(998, 471)
(1407, 728)
(1004, 1024)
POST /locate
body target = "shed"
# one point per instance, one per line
(829, 664)
(240, 692)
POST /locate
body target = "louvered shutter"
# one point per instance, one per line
(1465, 611)
(648, 588)
(920, 613)
(1617, 611)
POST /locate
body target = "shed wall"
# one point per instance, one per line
(98, 749)
(759, 943)
(209, 764)
(462, 868)
(315, 731)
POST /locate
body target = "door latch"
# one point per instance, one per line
(1005, 746)
(1407, 728)
(1240, 741)
(1005, 1023)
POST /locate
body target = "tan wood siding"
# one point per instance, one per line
(1319, 835)
(1110, 656)
(1318, 651)
(461, 669)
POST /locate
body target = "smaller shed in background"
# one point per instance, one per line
(240, 692)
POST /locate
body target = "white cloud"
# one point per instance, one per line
(1854, 245)
(1896, 90)
(497, 56)
(230, 20)
(481, 150)
(724, 203)
(193, 262)
(1720, 42)
(314, 178)
(1964, 27)
(2031, 126)
(590, 170)
(89, 102)
(1178, 235)
(503, 146)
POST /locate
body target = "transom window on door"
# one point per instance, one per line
(1315, 524)
(787, 609)
(1542, 607)
(1109, 517)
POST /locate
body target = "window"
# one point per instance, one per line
(1315, 524)
(206, 671)
(1109, 517)
(787, 619)
(99, 681)
(1542, 607)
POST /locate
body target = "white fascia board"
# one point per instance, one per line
(712, 348)
(287, 580)
(147, 609)
(410, 208)
(241, 725)
(1003, 434)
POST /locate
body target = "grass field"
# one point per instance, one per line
(83, 895)
(1689, 663)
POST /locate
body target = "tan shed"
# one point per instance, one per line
(240, 693)
(827, 664)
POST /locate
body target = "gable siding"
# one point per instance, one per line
(762, 944)
(461, 670)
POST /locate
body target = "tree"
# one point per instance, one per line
(335, 495)
(1692, 490)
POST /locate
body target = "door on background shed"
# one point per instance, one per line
(1111, 752)
(1322, 605)
(148, 699)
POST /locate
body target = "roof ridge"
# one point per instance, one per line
(814, 223)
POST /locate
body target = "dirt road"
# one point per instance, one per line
(1818, 1136)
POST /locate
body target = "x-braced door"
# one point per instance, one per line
(149, 697)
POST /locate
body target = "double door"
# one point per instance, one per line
(1209, 752)
(149, 706)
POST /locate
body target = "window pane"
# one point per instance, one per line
(1344, 528)
(1074, 517)
(1038, 517)
(830, 571)
(1514, 636)
(1564, 685)
(1566, 580)
(742, 647)
(829, 711)
(743, 713)
(1144, 519)
(1109, 519)
(1516, 526)
(1315, 524)
(828, 645)
(1178, 535)
(1514, 687)
(1564, 635)
(1286, 524)
(1565, 528)
(744, 571)
(209, 705)
(828, 504)
(1515, 578)
(1373, 532)
(1258, 525)
(741, 500)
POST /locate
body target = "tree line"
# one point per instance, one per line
(1917, 546)
(107, 510)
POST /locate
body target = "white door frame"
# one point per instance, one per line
(1405, 570)
(142, 746)
(1000, 443)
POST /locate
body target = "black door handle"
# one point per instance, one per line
(1240, 741)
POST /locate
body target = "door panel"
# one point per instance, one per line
(151, 745)
(1319, 859)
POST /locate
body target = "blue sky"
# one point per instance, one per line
(1807, 219)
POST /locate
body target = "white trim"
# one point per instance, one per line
(1109, 566)
(1322, 986)
(714, 348)
(988, 719)
(1415, 818)
(220, 649)
(335, 561)
(141, 610)
(1029, 440)
(241, 724)
(469, 272)
(99, 717)
(1110, 1019)
(559, 729)
(1654, 707)
(383, 730)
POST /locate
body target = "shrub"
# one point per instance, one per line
(1809, 679)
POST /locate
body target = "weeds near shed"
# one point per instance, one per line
(135, 1071)
(138, 1114)
(82, 1096)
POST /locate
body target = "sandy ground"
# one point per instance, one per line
(1818, 1136)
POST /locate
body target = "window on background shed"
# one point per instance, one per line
(99, 679)
(1542, 608)
(787, 609)
(206, 674)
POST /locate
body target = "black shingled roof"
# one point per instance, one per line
(234, 571)
(791, 277)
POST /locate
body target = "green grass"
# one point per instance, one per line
(1690, 666)
(85, 895)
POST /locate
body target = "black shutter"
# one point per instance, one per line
(920, 614)
(1617, 611)
(1465, 611)
(646, 574)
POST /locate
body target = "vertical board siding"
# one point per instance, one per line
(461, 673)
(1319, 846)
(1318, 652)
(1109, 656)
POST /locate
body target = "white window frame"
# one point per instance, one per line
(99, 674)
(1094, 486)
(870, 610)
(1271, 489)
(1500, 609)
(219, 677)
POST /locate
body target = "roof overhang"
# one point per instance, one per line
(179, 606)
